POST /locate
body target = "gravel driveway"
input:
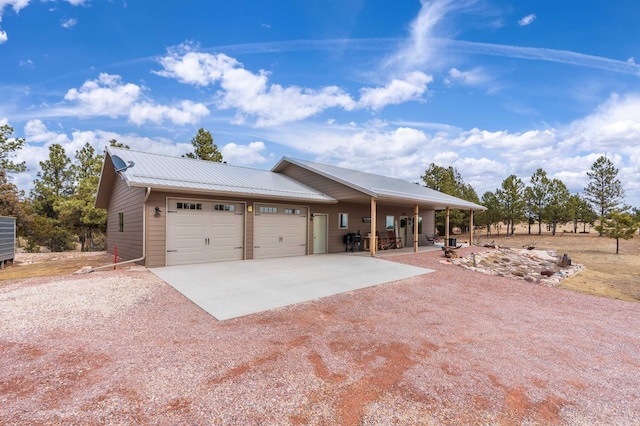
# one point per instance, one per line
(450, 347)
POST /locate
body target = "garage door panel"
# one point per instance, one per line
(277, 234)
(209, 232)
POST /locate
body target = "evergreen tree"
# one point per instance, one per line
(618, 225)
(55, 182)
(492, 215)
(449, 181)
(7, 148)
(54, 186)
(512, 202)
(114, 143)
(10, 202)
(604, 191)
(539, 195)
(77, 212)
(557, 209)
(204, 148)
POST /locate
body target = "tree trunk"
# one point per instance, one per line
(617, 245)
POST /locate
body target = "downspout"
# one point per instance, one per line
(144, 238)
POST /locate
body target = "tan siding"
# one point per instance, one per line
(156, 224)
(156, 230)
(128, 201)
(324, 185)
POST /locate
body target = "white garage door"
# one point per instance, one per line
(204, 231)
(279, 231)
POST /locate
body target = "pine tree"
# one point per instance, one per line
(604, 191)
(204, 148)
(7, 148)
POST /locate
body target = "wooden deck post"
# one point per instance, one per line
(446, 226)
(471, 227)
(416, 236)
(373, 242)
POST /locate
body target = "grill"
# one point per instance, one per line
(351, 241)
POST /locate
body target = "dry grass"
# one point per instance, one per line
(607, 275)
(29, 265)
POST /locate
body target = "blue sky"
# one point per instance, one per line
(491, 87)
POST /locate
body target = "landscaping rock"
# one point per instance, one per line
(528, 265)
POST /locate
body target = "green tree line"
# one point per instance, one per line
(542, 201)
(59, 211)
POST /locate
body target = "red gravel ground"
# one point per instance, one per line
(450, 347)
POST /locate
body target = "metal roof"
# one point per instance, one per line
(382, 187)
(180, 173)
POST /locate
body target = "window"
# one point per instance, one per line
(291, 211)
(390, 223)
(224, 207)
(189, 206)
(271, 210)
(121, 222)
(343, 220)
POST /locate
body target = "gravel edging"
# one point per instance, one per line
(450, 347)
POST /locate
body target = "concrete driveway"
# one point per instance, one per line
(234, 289)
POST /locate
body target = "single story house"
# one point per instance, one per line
(166, 210)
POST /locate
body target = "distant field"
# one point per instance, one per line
(607, 274)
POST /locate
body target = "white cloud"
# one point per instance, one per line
(250, 94)
(69, 23)
(504, 140)
(527, 20)
(3, 37)
(17, 5)
(474, 77)
(422, 44)
(396, 92)
(35, 131)
(200, 69)
(76, 2)
(245, 154)
(105, 96)
(187, 113)
(614, 125)
(110, 97)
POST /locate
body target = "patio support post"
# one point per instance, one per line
(471, 227)
(446, 226)
(416, 236)
(373, 241)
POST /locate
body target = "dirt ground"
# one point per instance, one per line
(607, 274)
(447, 348)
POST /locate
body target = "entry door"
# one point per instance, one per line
(319, 233)
(406, 230)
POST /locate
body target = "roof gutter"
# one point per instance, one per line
(144, 238)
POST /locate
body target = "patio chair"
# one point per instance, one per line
(382, 244)
(393, 241)
(431, 240)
